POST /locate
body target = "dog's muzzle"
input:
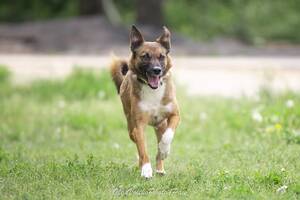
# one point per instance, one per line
(153, 76)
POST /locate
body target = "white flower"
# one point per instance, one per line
(226, 188)
(296, 133)
(101, 94)
(274, 118)
(61, 104)
(58, 133)
(203, 116)
(116, 145)
(289, 103)
(58, 130)
(282, 189)
(282, 169)
(256, 116)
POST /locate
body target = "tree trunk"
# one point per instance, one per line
(90, 7)
(149, 12)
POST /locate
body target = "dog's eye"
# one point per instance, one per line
(161, 57)
(145, 56)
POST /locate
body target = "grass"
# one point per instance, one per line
(68, 140)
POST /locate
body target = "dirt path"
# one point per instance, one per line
(225, 76)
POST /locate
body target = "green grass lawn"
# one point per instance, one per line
(67, 139)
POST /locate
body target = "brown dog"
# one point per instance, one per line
(148, 95)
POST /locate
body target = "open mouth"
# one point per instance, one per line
(153, 81)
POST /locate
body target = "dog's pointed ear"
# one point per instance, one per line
(136, 38)
(165, 39)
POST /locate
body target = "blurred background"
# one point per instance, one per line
(236, 65)
(230, 47)
(216, 27)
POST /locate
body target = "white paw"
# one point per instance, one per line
(146, 170)
(165, 143)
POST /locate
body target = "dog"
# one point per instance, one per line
(147, 92)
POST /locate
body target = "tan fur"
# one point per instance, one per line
(164, 112)
(116, 66)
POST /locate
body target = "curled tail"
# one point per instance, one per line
(118, 69)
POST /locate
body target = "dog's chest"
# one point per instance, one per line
(151, 103)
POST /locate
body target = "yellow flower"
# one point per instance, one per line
(278, 127)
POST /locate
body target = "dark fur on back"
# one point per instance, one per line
(118, 69)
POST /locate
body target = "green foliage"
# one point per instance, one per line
(127, 10)
(4, 75)
(272, 178)
(22, 10)
(79, 85)
(252, 21)
(58, 145)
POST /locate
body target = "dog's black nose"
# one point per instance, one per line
(157, 70)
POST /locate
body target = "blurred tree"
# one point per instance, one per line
(90, 7)
(150, 12)
(254, 21)
(111, 12)
(100, 7)
(25, 10)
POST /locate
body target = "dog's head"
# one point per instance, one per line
(150, 60)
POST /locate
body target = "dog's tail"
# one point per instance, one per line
(118, 69)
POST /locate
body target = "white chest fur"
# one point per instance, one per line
(151, 102)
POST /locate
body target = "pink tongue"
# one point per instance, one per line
(153, 81)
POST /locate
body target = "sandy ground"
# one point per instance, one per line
(225, 76)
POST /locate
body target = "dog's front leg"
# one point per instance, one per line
(139, 138)
(164, 144)
(159, 130)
